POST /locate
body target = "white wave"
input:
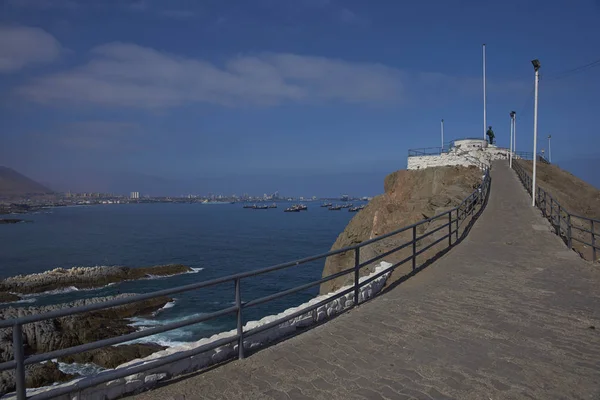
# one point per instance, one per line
(80, 369)
(172, 338)
(69, 289)
(22, 301)
(170, 304)
(193, 271)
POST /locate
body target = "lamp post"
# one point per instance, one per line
(536, 67)
(484, 97)
(442, 127)
(512, 134)
(549, 149)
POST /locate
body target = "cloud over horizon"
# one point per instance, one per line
(128, 75)
(21, 46)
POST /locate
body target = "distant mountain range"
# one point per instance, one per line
(13, 183)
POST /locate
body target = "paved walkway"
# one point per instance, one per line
(508, 314)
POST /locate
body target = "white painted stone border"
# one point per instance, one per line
(118, 387)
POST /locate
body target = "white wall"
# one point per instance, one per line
(140, 381)
(465, 153)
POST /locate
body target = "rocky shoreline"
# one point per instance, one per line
(80, 278)
(4, 221)
(60, 333)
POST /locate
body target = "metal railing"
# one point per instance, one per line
(456, 217)
(561, 219)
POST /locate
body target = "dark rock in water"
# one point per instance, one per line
(112, 357)
(36, 375)
(8, 297)
(84, 277)
(10, 221)
(61, 333)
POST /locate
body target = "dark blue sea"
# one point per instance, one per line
(214, 239)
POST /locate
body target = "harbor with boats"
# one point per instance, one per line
(303, 207)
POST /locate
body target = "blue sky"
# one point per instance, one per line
(302, 96)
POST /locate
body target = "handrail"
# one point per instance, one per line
(453, 220)
(556, 214)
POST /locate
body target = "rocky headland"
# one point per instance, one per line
(409, 196)
(4, 221)
(61, 333)
(80, 278)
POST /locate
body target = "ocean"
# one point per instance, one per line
(214, 239)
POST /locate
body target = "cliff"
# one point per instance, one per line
(409, 197)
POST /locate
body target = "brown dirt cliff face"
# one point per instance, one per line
(410, 196)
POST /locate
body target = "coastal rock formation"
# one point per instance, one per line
(112, 357)
(84, 277)
(8, 297)
(60, 333)
(36, 375)
(409, 197)
(10, 221)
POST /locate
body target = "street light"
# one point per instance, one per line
(442, 135)
(549, 149)
(512, 133)
(484, 97)
(536, 68)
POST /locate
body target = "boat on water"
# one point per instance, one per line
(347, 205)
(326, 205)
(248, 206)
(274, 205)
(354, 209)
(296, 208)
(261, 207)
(335, 208)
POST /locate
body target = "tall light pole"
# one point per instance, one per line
(442, 127)
(536, 67)
(484, 97)
(549, 149)
(512, 133)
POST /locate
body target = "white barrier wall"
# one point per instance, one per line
(465, 153)
(145, 380)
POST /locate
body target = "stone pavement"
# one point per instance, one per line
(509, 313)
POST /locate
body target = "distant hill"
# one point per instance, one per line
(13, 183)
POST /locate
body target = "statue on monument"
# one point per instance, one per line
(490, 135)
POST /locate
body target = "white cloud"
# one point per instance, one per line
(21, 46)
(127, 75)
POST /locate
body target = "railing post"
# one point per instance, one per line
(559, 220)
(457, 223)
(545, 205)
(240, 328)
(414, 246)
(356, 274)
(569, 232)
(593, 242)
(450, 228)
(552, 210)
(20, 360)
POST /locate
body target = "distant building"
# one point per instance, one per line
(345, 197)
(134, 195)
